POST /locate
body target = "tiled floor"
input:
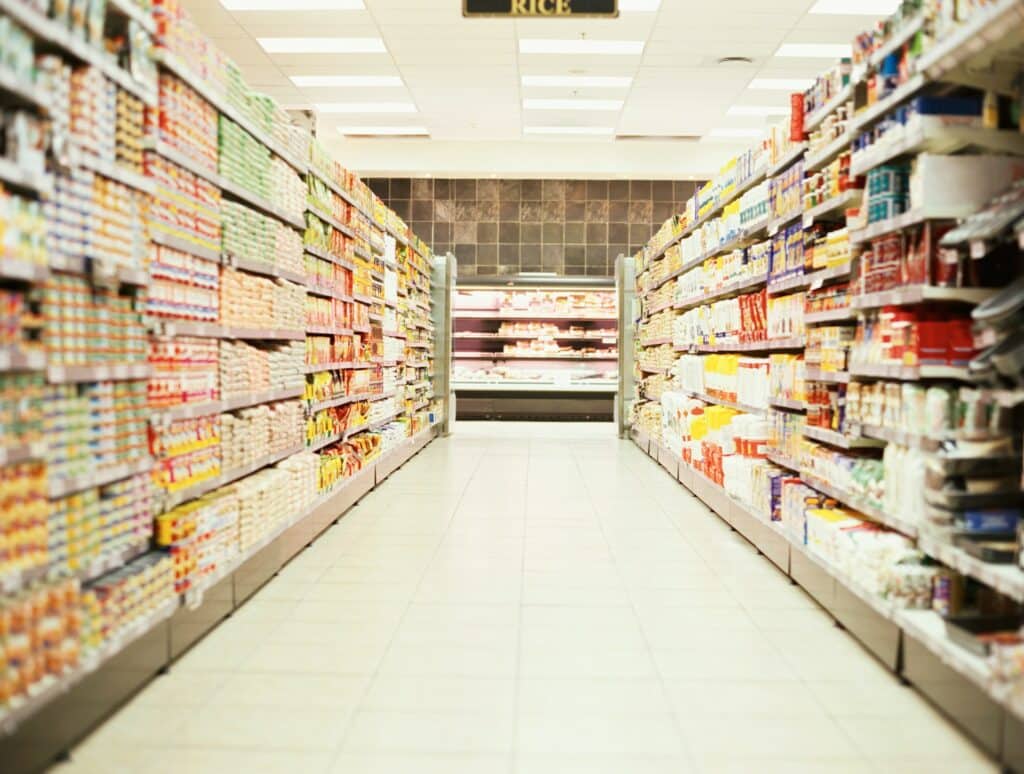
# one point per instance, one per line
(528, 598)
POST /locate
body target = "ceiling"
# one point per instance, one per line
(462, 80)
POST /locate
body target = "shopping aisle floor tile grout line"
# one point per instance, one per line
(527, 598)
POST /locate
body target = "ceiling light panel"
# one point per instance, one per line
(815, 50)
(877, 8)
(364, 107)
(584, 47)
(593, 131)
(294, 5)
(323, 45)
(578, 81)
(572, 104)
(346, 81)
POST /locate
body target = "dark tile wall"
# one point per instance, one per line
(506, 226)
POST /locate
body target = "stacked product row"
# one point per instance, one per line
(189, 279)
(829, 343)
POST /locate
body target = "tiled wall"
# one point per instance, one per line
(506, 226)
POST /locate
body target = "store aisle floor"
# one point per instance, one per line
(528, 598)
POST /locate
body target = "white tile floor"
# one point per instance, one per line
(528, 598)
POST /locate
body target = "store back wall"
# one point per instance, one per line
(572, 227)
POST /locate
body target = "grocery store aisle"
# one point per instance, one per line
(528, 598)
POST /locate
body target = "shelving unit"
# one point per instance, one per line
(518, 349)
(171, 382)
(982, 53)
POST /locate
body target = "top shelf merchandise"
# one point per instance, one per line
(830, 331)
(236, 330)
(536, 336)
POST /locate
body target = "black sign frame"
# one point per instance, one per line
(601, 9)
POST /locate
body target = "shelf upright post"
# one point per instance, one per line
(628, 311)
(442, 288)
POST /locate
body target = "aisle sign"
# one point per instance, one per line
(540, 8)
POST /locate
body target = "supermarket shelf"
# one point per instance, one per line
(267, 207)
(325, 442)
(733, 288)
(529, 336)
(653, 370)
(326, 255)
(812, 121)
(113, 560)
(173, 499)
(418, 344)
(737, 192)
(1005, 578)
(659, 307)
(855, 502)
(16, 91)
(67, 485)
(130, 10)
(834, 205)
(364, 299)
(59, 35)
(788, 159)
(500, 356)
(982, 34)
(768, 345)
(378, 424)
(171, 61)
(339, 365)
(14, 358)
(253, 266)
(184, 245)
(16, 269)
(194, 410)
(744, 407)
(465, 314)
(344, 400)
(782, 460)
(918, 294)
(22, 452)
(656, 342)
(833, 438)
(20, 178)
(824, 156)
(790, 283)
(909, 373)
(819, 277)
(901, 93)
(322, 330)
(383, 395)
(316, 290)
(175, 156)
(829, 316)
(894, 43)
(113, 172)
(777, 224)
(832, 377)
(260, 334)
(52, 687)
(57, 374)
(789, 404)
(522, 386)
(928, 628)
(330, 183)
(935, 139)
(330, 220)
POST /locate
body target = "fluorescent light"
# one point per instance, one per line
(815, 50)
(293, 5)
(758, 110)
(639, 6)
(393, 131)
(734, 132)
(781, 84)
(581, 46)
(572, 104)
(579, 81)
(354, 81)
(323, 45)
(589, 130)
(856, 7)
(364, 107)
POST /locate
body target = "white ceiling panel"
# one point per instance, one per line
(464, 77)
